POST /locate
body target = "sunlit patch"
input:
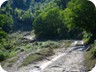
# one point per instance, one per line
(94, 2)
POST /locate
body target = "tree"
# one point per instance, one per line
(27, 18)
(49, 24)
(81, 14)
(5, 26)
(21, 4)
(62, 3)
(6, 22)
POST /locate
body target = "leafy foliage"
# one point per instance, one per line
(49, 24)
(5, 27)
(81, 14)
(62, 3)
(5, 22)
(3, 55)
(51, 19)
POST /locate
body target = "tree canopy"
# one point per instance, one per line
(49, 24)
(81, 14)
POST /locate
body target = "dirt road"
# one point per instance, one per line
(64, 60)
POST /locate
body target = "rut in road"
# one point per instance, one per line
(72, 61)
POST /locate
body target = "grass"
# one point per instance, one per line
(90, 60)
(37, 56)
(12, 54)
(50, 44)
(56, 44)
(46, 44)
(46, 50)
(67, 44)
(9, 63)
(30, 59)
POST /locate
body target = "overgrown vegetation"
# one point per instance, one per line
(49, 19)
(9, 62)
(46, 49)
(43, 53)
(90, 57)
(5, 27)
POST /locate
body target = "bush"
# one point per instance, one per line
(90, 58)
(12, 54)
(43, 53)
(3, 56)
(49, 24)
(6, 22)
(94, 53)
(2, 34)
(50, 44)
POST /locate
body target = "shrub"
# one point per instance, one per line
(49, 24)
(50, 44)
(3, 56)
(93, 52)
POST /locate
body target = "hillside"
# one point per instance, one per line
(33, 31)
(24, 12)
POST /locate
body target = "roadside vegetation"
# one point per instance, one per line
(46, 48)
(90, 57)
(43, 53)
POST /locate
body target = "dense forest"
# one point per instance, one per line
(48, 19)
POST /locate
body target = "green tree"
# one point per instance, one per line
(5, 26)
(62, 3)
(22, 4)
(6, 22)
(27, 18)
(81, 14)
(49, 24)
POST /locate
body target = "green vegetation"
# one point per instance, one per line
(5, 27)
(46, 49)
(43, 53)
(90, 57)
(48, 19)
(30, 59)
(62, 3)
(9, 62)
(50, 44)
(49, 24)
(3, 55)
(90, 60)
(82, 16)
